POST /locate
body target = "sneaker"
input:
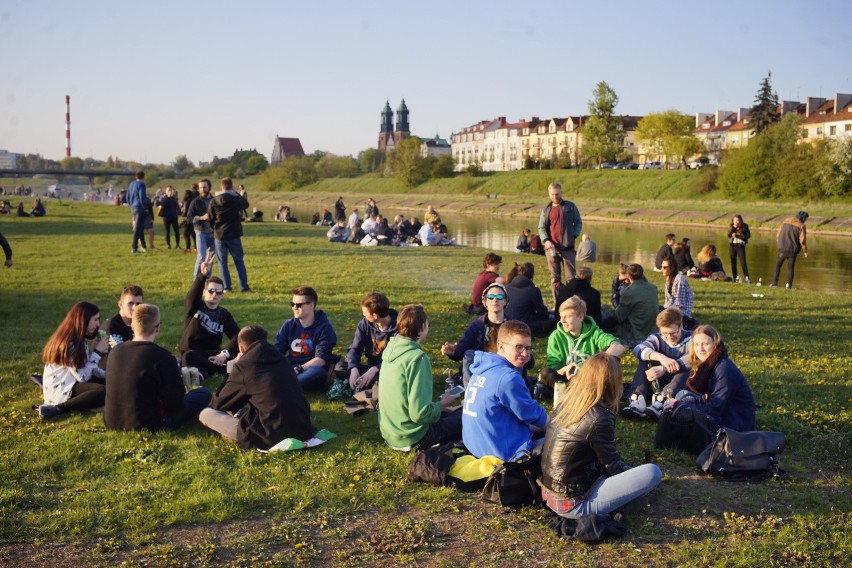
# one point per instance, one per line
(144, 249)
(636, 408)
(789, 286)
(46, 411)
(134, 252)
(773, 285)
(747, 281)
(37, 379)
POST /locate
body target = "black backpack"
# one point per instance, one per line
(683, 427)
(743, 456)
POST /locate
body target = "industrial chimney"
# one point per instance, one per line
(67, 126)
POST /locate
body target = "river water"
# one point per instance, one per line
(828, 267)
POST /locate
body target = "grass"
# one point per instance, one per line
(75, 494)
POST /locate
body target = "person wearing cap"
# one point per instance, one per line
(481, 334)
(791, 239)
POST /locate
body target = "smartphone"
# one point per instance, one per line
(456, 390)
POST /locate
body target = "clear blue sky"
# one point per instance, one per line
(154, 79)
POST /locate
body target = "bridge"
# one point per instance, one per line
(60, 175)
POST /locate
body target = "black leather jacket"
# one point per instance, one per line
(574, 457)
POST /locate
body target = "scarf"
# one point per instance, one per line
(700, 377)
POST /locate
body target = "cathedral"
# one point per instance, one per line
(388, 135)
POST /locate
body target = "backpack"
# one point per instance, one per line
(743, 456)
(684, 427)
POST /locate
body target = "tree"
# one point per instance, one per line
(371, 160)
(330, 166)
(293, 172)
(405, 162)
(602, 133)
(668, 135)
(443, 167)
(72, 163)
(764, 113)
(181, 163)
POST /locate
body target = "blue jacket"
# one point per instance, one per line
(137, 197)
(730, 402)
(301, 344)
(370, 341)
(498, 409)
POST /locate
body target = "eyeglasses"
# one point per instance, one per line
(519, 349)
(496, 296)
(298, 304)
(215, 292)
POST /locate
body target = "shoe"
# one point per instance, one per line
(654, 413)
(134, 252)
(46, 411)
(737, 279)
(747, 281)
(773, 285)
(37, 379)
(636, 409)
(144, 250)
(789, 286)
(245, 289)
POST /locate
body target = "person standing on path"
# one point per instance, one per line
(227, 229)
(792, 239)
(137, 198)
(559, 225)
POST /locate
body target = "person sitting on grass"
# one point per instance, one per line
(499, 417)
(710, 265)
(581, 285)
(307, 339)
(371, 338)
(527, 304)
(490, 273)
(582, 472)
(38, 209)
(338, 233)
(663, 364)
(574, 341)
(637, 312)
(408, 417)
(118, 326)
(683, 256)
(261, 402)
(72, 379)
(206, 322)
(144, 390)
(678, 292)
(481, 334)
(716, 384)
(666, 252)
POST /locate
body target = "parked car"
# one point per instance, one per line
(651, 166)
(699, 163)
(631, 166)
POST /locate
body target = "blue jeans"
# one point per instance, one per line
(612, 493)
(138, 228)
(235, 247)
(203, 243)
(312, 377)
(193, 403)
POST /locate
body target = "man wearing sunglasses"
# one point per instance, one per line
(307, 339)
(499, 417)
(205, 323)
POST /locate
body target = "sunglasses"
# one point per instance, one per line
(496, 296)
(215, 292)
(298, 304)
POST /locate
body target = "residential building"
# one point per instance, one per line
(827, 118)
(8, 160)
(436, 147)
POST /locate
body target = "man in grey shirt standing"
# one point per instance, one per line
(198, 215)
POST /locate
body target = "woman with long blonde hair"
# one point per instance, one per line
(582, 473)
(72, 379)
(709, 263)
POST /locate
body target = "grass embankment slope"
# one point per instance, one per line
(75, 494)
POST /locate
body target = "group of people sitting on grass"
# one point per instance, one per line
(374, 229)
(261, 400)
(38, 209)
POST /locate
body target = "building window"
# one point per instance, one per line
(848, 128)
(819, 131)
(832, 130)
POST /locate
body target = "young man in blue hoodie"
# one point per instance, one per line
(307, 339)
(499, 417)
(371, 337)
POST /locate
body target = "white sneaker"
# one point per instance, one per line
(636, 409)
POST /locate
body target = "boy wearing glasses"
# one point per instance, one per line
(307, 339)
(663, 362)
(499, 417)
(205, 323)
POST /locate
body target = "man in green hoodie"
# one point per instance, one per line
(575, 340)
(408, 418)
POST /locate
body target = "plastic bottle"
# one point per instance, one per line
(759, 281)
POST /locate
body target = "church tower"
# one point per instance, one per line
(386, 129)
(402, 131)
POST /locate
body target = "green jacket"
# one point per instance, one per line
(405, 393)
(637, 311)
(563, 349)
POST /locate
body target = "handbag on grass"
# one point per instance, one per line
(743, 456)
(513, 483)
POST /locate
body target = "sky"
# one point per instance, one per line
(156, 79)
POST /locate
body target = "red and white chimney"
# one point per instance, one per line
(67, 126)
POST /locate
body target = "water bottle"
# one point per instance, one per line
(538, 390)
(759, 281)
(558, 392)
(449, 382)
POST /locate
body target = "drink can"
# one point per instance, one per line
(102, 334)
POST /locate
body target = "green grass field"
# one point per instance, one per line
(75, 494)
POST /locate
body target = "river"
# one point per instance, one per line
(828, 267)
